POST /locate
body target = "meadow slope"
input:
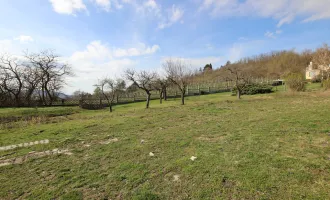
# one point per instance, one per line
(274, 146)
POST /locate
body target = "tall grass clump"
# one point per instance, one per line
(326, 84)
(295, 82)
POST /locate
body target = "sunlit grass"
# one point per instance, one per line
(273, 146)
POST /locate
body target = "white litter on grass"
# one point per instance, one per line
(176, 178)
(142, 141)
(151, 154)
(26, 144)
(193, 158)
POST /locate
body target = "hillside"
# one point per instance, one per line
(273, 146)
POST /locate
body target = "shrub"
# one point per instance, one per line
(254, 88)
(295, 82)
(317, 79)
(326, 84)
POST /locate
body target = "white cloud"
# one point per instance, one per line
(284, 11)
(273, 35)
(94, 51)
(107, 4)
(98, 51)
(99, 60)
(175, 14)
(68, 7)
(24, 38)
(147, 7)
(270, 34)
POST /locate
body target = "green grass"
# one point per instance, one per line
(273, 146)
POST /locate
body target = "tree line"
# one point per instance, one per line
(177, 74)
(40, 76)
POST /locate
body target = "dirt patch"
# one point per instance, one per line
(20, 160)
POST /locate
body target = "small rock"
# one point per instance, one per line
(68, 153)
(193, 158)
(114, 140)
(36, 142)
(151, 154)
(176, 177)
(142, 141)
(26, 144)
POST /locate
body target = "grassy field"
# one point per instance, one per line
(273, 146)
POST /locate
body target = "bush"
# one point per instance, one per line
(254, 88)
(295, 82)
(317, 79)
(326, 84)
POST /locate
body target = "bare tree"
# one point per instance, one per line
(239, 76)
(11, 77)
(143, 80)
(31, 82)
(161, 86)
(109, 89)
(179, 74)
(322, 58)
(51, 72)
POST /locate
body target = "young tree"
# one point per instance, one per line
(109, 89)
(240, 77)
(143, 80)
(161, 86)
(179, 74)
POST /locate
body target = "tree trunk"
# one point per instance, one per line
(161, 97)
(238, 93)
(182, 97)
(165, 94)
(110, 107)
(148, 100)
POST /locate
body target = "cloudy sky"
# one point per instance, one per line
(101, 38)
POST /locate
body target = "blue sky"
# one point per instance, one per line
(103, 37)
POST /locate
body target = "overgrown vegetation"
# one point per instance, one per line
(295, 82)
(326, 84)
(254, 88)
